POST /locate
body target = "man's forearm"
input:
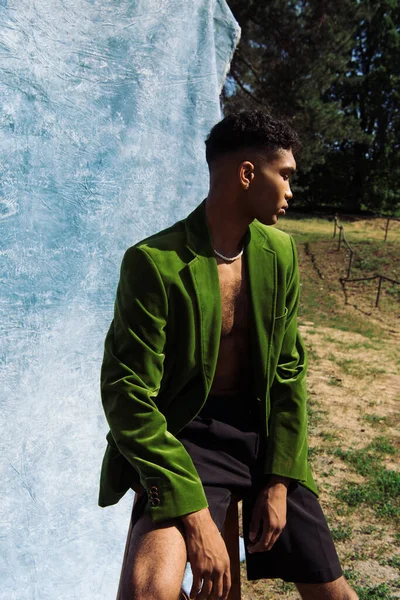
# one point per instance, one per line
(194, 520)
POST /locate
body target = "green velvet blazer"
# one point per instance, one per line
(160, 357)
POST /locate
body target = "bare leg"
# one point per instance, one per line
(155, 561)
(335, 590)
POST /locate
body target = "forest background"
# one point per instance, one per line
(332, 68)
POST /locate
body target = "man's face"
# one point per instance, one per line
(269, 190)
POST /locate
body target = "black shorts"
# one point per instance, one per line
(224, 445)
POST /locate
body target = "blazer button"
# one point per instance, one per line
(155, 501)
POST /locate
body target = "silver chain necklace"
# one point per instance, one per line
(227, 258)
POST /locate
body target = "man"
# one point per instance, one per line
(203, 385)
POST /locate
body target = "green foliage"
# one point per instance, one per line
(380, 592)
(332, 69)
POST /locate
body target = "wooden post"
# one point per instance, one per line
(230, 533)
(379, 292)
(340, 237)
(387, 228)
(350, 261)
(127, 544)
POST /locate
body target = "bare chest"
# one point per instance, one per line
(234, 298)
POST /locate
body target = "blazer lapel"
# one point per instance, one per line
(204, 274)
(206, 283)
(262, 275)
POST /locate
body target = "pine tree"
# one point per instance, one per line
(332, 69)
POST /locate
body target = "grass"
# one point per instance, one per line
(375, 419)
(322, 299)
(315, 413)
(394, 562)
(380, 592)
(349, 366)
(368, 529)
(334, 380)
(381, 490)
(312, 452)
(322, 305)
(341, 533)
(362, 346)
(376, 257)
(328, 436)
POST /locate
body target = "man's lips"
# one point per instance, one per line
(283, 209)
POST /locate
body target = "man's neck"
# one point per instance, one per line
(226, 225)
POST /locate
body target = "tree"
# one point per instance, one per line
(371, 92)
(304, 61)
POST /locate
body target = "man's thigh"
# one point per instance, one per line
(155, 560)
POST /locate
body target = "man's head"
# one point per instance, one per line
(250, 153)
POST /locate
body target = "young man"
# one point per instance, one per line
(203, 385)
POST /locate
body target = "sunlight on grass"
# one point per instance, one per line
(381, 490)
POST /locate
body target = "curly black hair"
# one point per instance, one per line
(252, 129)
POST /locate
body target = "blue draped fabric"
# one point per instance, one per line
(104, 110)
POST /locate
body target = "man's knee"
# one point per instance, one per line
(155, 563)
(335, 590)
(145, 585)
(152, 589)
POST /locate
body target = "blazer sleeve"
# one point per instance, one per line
(131, 374)
(287, 448)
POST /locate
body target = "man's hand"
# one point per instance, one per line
(269, 515)
(208, 557)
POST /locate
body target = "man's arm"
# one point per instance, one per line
(287, 450)
(131, 374)
(286, 453)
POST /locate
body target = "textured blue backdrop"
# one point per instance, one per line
(105, 108)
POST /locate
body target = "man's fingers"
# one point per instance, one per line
(275, 534)
(218, 588)
(267, 540)
(255, 523)
(227, 584)
(271, 541)
(262, 543)
(206, 589)
(196, 585)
